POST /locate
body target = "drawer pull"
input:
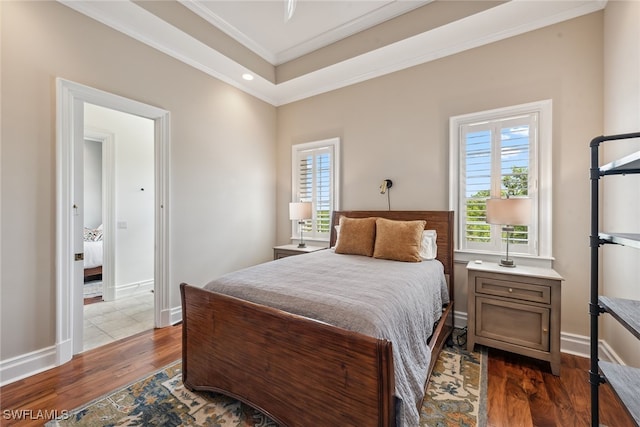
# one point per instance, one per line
(545, 330)
(510, 290)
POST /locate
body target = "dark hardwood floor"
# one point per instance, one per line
(88, 375)
(521, 391)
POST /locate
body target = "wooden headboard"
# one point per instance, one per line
(441, 221)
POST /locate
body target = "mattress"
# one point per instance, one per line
(92, 254)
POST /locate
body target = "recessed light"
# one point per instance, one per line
(247, 76)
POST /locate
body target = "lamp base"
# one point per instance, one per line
(302, 245)
(507, 263)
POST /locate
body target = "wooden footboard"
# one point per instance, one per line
(299, 371)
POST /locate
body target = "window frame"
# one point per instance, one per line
(334, 145)
(540, 189)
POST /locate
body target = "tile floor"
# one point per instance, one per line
(108, 321)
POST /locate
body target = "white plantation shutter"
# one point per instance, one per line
(476, 165)
(496, 162)
(315, 167)
(497, 155)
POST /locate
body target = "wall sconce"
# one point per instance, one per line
(386, 184)
(384, 187)
(300, 211)
(508, 212)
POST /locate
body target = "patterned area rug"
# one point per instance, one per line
(454, 397)
(457, 390)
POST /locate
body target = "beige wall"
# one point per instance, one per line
(396, 127)
(222, 170)
(228, 149)
(620, 198)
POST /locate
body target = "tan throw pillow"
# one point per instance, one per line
(357, 236)
(398, 240)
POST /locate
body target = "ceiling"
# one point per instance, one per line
(263, 27)
(260, 28)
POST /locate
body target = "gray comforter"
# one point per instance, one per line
(397, 301)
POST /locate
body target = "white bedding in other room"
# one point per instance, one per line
(92, 254)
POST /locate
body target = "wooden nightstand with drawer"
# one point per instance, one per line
(290, 250)
(515, 309)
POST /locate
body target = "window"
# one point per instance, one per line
(502, 153)
(315, 167)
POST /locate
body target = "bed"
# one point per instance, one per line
(93, 252)
(304, 371)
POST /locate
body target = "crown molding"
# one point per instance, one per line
(136, 22)
(205, 13)
(507, 20)
(498, 23)
(352, 27)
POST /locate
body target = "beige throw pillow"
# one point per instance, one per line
(398, 240)
(357, 236)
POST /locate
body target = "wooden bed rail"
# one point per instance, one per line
(298, 371)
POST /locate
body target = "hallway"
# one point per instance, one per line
(105, 322)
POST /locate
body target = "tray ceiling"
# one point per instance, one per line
(261, 28)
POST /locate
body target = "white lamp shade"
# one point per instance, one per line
(300, 210)
(514, 211)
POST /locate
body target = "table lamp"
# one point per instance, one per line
(509, 212)
(300, 211)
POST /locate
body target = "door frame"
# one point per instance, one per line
(70, 99)
(107, 141)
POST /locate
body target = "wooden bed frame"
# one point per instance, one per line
(94, 271)
(299, 371)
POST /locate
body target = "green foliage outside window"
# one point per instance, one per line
(514, 184)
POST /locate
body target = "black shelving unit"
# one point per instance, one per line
(624, 380)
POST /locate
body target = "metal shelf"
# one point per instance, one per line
(625, 382)
(626, 165)
(626, 239)
(625, 311)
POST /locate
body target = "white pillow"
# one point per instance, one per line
(337, 227)
(428, 247)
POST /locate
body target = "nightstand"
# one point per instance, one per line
(290, 250)
(515, 309)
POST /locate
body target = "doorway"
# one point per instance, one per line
(118, 217)
(71, 100)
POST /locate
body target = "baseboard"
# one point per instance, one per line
(579, 345)
(606, 353)
(175, 315)
(26, 365)
(132, 289)
(459, 319)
